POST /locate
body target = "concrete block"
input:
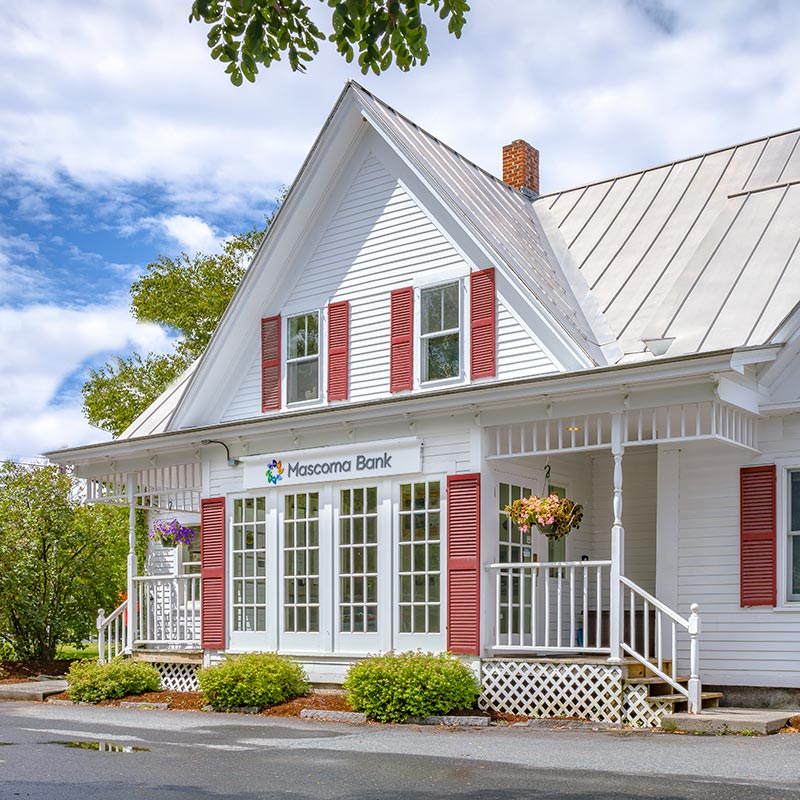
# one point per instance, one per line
(761, 721)
(333, 716)
(32, 690)
(453, 721)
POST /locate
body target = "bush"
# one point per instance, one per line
(393, 687)
(91, 682)
(253, 679)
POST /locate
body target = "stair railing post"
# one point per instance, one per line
(695, 686)
(131, 616)
(616, 607)
(101, 635)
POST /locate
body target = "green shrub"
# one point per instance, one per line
(252, 679)
(395, 686)
(91, 682)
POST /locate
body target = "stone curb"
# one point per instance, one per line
(452, 721)
(333, 716)
(232, 710)
(153, 706)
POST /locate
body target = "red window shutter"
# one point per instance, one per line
(463, 563)
(483, 324)
(338, 350)
(401, 358)
(271, 363)
(212, 572)
(758, 536)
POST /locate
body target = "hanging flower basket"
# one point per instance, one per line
(554, 516)
(171, 533)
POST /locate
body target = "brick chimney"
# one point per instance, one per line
(521, 165)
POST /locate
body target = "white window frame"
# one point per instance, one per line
(420, 640)
(463, 332)
(321, 366)
(784, 499)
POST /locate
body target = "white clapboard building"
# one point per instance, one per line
(416, 344)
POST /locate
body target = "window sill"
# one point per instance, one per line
(425, 386)
(301, 404)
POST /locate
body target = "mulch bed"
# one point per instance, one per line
(21, 671)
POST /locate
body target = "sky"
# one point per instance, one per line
(121, 140)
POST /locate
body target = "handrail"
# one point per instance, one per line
(693, 691)
(654, 601)
(521, 564)
(112, 633)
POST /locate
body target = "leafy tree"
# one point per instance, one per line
(246, 33)
(59, 560)
(186, 294)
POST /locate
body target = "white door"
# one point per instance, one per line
(248, 549)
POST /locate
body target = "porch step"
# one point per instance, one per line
(638, 670)
(707, 699)
(654, 680)
(746, 721)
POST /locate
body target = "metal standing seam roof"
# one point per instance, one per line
(502, 216)
(703, 251)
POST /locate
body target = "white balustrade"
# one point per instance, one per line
(551, 606)
(168, 610)
(657, 647)
(112, 633)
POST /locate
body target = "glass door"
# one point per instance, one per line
(358, 615)
(249, 573)
(300, 594)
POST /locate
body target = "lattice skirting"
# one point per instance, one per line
(178, 677)
(641, 712)
(546, 689)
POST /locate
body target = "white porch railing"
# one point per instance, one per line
(112, 633)
(566, 607)
(168, 611)
(551, 607)
(667, 623)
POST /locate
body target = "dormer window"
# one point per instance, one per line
(440, 332)
(302, 358)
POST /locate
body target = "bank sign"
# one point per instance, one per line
(348, 462)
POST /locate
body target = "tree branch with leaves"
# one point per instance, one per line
(376, 33)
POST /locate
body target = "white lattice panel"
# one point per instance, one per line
(545, 689)
(178, 677)
(643, 713)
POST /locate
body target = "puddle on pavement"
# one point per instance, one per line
(6, 744)
(103, 747)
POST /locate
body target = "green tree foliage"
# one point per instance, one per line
(246, 33)
(59, 560)
(187, 295)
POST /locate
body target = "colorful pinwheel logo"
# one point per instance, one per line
(274, 471)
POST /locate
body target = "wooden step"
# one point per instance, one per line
(639, 670)
(707, 699)
(168, 656)
(654, 680)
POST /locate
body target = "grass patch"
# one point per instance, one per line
(70, 653)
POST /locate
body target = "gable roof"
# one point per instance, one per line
(500, 215)
(703, 250)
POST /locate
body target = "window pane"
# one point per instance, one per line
(440, 356)
(296, 337)
(431, 310)
(795, 501)
(450, 306)
(795, 564)
(312, 334)
(303, 378)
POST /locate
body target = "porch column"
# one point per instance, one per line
(131, 489)
(617, 543)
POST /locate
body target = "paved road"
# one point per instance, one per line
(178, 756)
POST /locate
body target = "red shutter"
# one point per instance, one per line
(212, 572)
(271, 363)
(401, 358)
(338, 350)
(463, 563)
(482, 315)
(758, 535)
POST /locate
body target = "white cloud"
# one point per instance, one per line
(191, 233)
(598, 87)
(41, 346)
